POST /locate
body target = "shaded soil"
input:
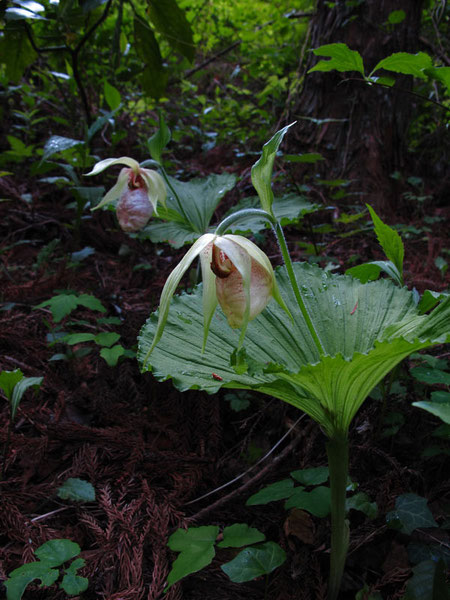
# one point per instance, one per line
(152, 452)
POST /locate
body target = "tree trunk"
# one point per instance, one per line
(365, 139)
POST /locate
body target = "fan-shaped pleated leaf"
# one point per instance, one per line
(365, 330)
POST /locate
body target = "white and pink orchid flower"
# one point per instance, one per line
(137, 190)
(236, 274)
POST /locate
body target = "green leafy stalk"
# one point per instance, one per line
(288, 262)
(337, 450)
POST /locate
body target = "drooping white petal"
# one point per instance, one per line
(256, 253)
(116, 191)
(242, 261)
(172, 283)
(108, 162)
(209, 290)
(156, 188)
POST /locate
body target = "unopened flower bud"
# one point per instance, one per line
(134, 209)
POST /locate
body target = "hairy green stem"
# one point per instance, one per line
(337, 450)
(288, 262)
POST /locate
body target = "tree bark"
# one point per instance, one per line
(365, 132)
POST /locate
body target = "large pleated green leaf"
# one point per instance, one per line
(365, 330)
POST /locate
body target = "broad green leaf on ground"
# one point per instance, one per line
(389, 240)
(24, 575)
(361, 502)
(288, 209)
(431, 376)
(169, 20)
(254, 562)
(56, 552)
(77, 489)
(240, 534)
(112, 355)
(406, 63)
(361, 345)
(275, 491)
(312, 476)
(262, 169)
(439, 408)
(412, 511)
(428, 582)
(341, 59)
(196, 547)
(317, 501)
(63, 304)
(106, 338)
(199, 198)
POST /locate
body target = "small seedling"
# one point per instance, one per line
(53, 553)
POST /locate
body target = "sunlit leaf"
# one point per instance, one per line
(341, 59)
(57, 144)
(406, 63)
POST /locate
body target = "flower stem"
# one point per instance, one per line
(290, 270)
(241, 215)
(176, 197)
(337, 450)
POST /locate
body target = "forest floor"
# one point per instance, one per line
(151, 452)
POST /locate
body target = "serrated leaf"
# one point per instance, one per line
(406, 63)
(389, 240)
(413, 512)
(77, 489)
(240, 534)
(60, 306)
(91, 302)
(262, 169)
(361, 346)
(196, 545)
(169, 20)
(275, 491)
(341, 59)
(56, 552)
(312, 476)
(317, 501)
(112, 355)
(254, 562)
